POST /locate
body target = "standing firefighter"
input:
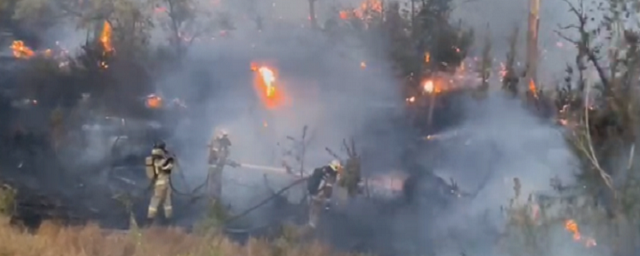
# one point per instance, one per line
(320, 188)
(218, 154)
(159, 167)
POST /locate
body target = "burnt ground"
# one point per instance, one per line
(49, 188)
(49, 191)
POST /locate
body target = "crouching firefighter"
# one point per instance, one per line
(159, 166)
(218, 158)
(320, 187)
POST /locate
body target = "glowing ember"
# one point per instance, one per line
(363, 65)
(411, 99)
(154, 101)
(105, 37)
(533, 89)
(427, 57)
(266, 85)
(344, 15)
(21, 51)
(160, 9)
(428, 86)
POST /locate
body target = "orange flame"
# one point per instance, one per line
(154, 101)
(265, 84)
(345, 15)
(533, 89)
(21, 51)
(571, 226)
(105, 37)
(364, 11)
(429, 86)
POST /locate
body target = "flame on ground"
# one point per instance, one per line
(265, 84)
(571, 226)
(21, 51)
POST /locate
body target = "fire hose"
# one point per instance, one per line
(233, 164)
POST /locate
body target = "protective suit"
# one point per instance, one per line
(163, 164)
(320, 187)
(218, 154)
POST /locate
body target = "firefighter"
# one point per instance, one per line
(162, 164)
(320, 188)
(218, 154)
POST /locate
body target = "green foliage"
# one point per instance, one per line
(38, 14)
(45, 81)
(291, 236)
(6, 12)
(447, 43)
(7, 200)
(215, 218)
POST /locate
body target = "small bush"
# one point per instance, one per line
(7, 200)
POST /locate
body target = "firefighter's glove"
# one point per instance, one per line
(234, 164)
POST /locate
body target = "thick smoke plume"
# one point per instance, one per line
(335, 90)
(500, 141)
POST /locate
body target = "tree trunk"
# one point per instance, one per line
(312, 13)
(532, 47)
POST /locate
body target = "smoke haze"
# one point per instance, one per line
(328, 90)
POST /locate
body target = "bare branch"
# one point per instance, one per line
(591, 152)
(567, 38)
(345, 145)
(332, 153)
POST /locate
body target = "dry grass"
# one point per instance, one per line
(55, 240)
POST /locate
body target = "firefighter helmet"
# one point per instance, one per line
(335, 165)
(220, 133)
(157, 152)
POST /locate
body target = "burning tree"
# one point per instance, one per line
(597, 104)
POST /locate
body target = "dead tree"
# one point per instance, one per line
(312, 13)
(351, 176)
(297, 152)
